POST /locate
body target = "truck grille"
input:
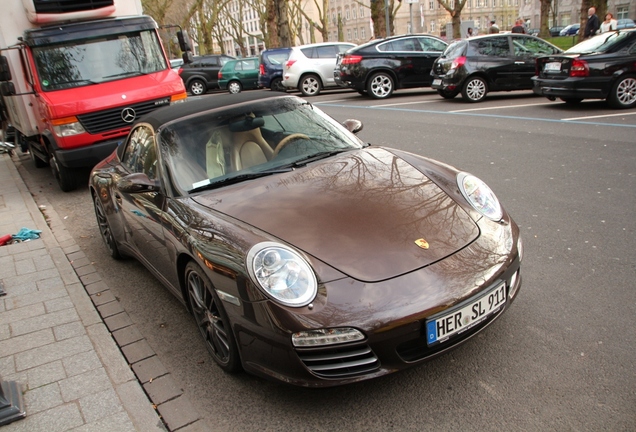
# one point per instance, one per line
(63, 6)
(339, 362)
(113, 119)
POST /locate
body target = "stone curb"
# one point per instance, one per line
(107, 322)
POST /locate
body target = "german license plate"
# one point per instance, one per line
(465, 316)
(437, 82)
(552, 67)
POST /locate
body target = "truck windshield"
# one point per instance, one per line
(95, 61)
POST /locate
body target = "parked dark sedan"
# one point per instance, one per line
(556, 30)
(305, 255)
(379, 67)
(202, 74)
(603, 67)
(496, 62)
(270, 73)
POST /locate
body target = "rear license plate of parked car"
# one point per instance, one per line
(552, 67)
(461, 319)
(437, 81)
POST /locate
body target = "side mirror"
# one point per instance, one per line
(184, 40)
(7, 88)
(187, 57)
(353, 125)
(5, 72)
(137, 183)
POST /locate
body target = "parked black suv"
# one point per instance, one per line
(202, 74)
(270, 74)
(381, 66)
(494, 62)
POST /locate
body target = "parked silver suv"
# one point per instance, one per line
(310, 67)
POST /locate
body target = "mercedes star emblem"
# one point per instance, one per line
(128, 115)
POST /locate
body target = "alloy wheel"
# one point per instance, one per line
(380, 86)
(475, 90)
(310, 86)
(626, 92)
(234, 87)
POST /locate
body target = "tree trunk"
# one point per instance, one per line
(272, 29)
(284, 35)
(544, 30)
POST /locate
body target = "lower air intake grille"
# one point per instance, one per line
(339, 362)
(64, 6)
(113, 119)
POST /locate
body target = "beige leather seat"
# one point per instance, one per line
(250, 149)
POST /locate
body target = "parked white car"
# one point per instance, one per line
(309, 68)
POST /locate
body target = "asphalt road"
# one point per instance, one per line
(563, 356)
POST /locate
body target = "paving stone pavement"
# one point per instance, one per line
(61, 331)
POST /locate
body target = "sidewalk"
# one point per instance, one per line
(53, 343)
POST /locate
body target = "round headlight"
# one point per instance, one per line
(282, 274)
(480, 196)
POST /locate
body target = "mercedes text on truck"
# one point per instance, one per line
(75, 76)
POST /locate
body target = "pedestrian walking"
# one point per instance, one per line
(469, 32)
(518, 27)
(494, 28)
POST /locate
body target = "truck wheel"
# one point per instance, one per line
(65, 176)
(197, 87)
(39, 163)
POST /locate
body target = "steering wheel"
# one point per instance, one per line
(287, 140)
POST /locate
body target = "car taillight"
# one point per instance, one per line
(220, 75)
(180, 70)
(261, 69)
(579, 68)
(459, 61)
(350, 59)
(290, 63)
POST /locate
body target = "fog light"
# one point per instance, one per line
(326, 337)
(514, 285)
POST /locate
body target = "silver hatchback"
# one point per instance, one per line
(309, 68)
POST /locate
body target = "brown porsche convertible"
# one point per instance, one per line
(304, 254)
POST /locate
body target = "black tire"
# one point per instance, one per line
(310, 85)
(380, 86)
(447, 94)
(474, 89)
(211, 319)
(623, 94)
(277, 85)
(39, 163)
(234, 87)
(104, 229)
(197, 87)
(66, 177)
(571, 101)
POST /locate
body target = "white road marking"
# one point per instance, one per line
(406, 103)
(600, 116)
(502, 107)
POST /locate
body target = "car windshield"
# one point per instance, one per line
(98, 60)
(245, 141)
(601, 43)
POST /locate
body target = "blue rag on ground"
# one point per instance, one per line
(27, 234)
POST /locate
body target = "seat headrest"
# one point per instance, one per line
(245, 124)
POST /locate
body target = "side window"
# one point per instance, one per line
(430, 44)
(140, 155)
(525, 46)
(238, 66)
(328, 51)
(343, 48)
(407, 44)
(495, 47)
(309, 52)
(386, 47)
(209, 62)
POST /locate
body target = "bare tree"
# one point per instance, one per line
(454, 8)
(322, 25)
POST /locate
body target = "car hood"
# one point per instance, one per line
(360, 212)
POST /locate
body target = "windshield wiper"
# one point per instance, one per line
(213, 184)
(316, 156)
(76, 82)
(123, 74)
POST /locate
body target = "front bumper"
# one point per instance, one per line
(391, 314)
(88, 156)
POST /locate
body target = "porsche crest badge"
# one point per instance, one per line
(422, 243)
